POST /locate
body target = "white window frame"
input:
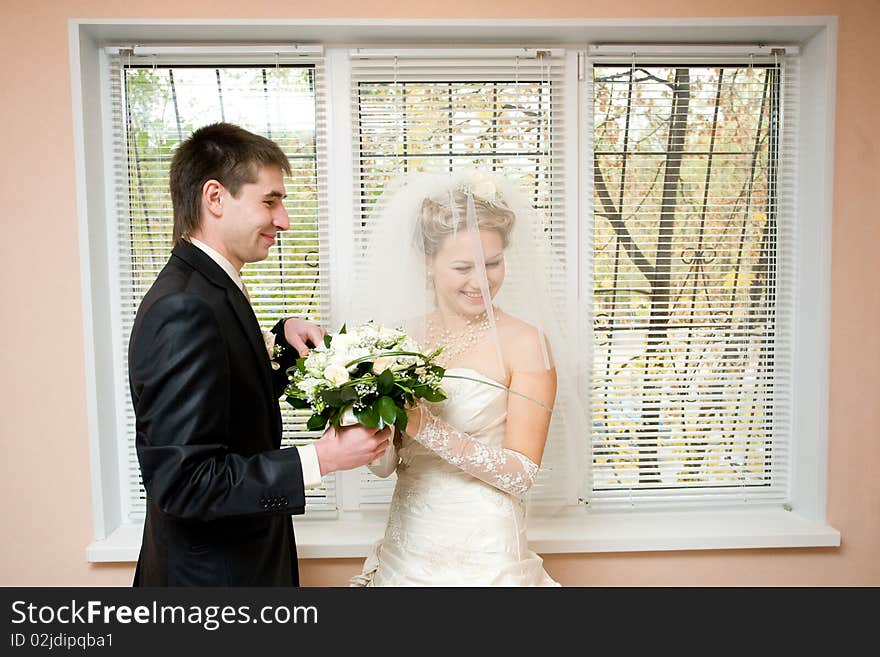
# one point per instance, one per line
(351, 532)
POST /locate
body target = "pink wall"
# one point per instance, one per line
(46, 499)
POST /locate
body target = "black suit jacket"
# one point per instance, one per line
(220, 491)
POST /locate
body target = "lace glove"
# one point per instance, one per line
(505, 469)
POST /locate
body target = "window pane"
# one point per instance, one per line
(505, 123)
(160, 106)
(445, 126)
(684, 304)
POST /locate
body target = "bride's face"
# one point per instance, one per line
(457, 277)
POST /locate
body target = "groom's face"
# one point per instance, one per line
(250, 221)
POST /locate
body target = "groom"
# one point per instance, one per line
(220, 491)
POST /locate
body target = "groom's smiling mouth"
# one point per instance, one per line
(269, 237)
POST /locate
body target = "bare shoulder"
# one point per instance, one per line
(516, 330)
(523, 345)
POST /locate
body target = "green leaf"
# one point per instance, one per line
(385, 383)
(348, 394)
(296, 402)
(431, 395)
(343, 330)
(368, 417)
(386, 408)
(327, 339)
(401, 420)
(332, 397)
(316, 422)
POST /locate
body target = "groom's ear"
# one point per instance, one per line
(212, 197)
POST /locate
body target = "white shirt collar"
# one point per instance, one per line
(234, 274)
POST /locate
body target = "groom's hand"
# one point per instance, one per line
(299, 332)
(350, 447)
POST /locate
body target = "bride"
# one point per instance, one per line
(442, 251)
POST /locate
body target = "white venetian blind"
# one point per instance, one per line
(158, 96)
(691, 269)
(443, 110)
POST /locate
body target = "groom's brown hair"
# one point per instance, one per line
(223, 152)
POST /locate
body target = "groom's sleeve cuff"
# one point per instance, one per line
(288, 353)
(311, 469)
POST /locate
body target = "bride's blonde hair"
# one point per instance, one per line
(436, 221)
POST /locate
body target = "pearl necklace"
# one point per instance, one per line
(458, 342)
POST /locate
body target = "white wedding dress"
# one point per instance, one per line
(445, 526)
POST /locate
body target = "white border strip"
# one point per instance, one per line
(354, 534)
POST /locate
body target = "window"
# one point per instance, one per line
(158, 99)
(692, 296)
(692, 244)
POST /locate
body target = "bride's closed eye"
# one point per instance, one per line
(489, 265)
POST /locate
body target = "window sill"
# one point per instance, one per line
(351, 535)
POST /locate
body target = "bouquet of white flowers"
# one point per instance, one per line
(366, 374)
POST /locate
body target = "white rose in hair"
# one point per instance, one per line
(484, 189)
(480, 185)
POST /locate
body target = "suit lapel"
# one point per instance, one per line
(200, 261)
(245, 314)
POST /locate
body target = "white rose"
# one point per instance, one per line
(410, 345)
(369, 331)
(316, 362)
(480, 185)
(388, 335)
(382, 363)
(269, 339)
(308, 386)
(342, 343)
(336, 374)
(358, 352)
(484, 189)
